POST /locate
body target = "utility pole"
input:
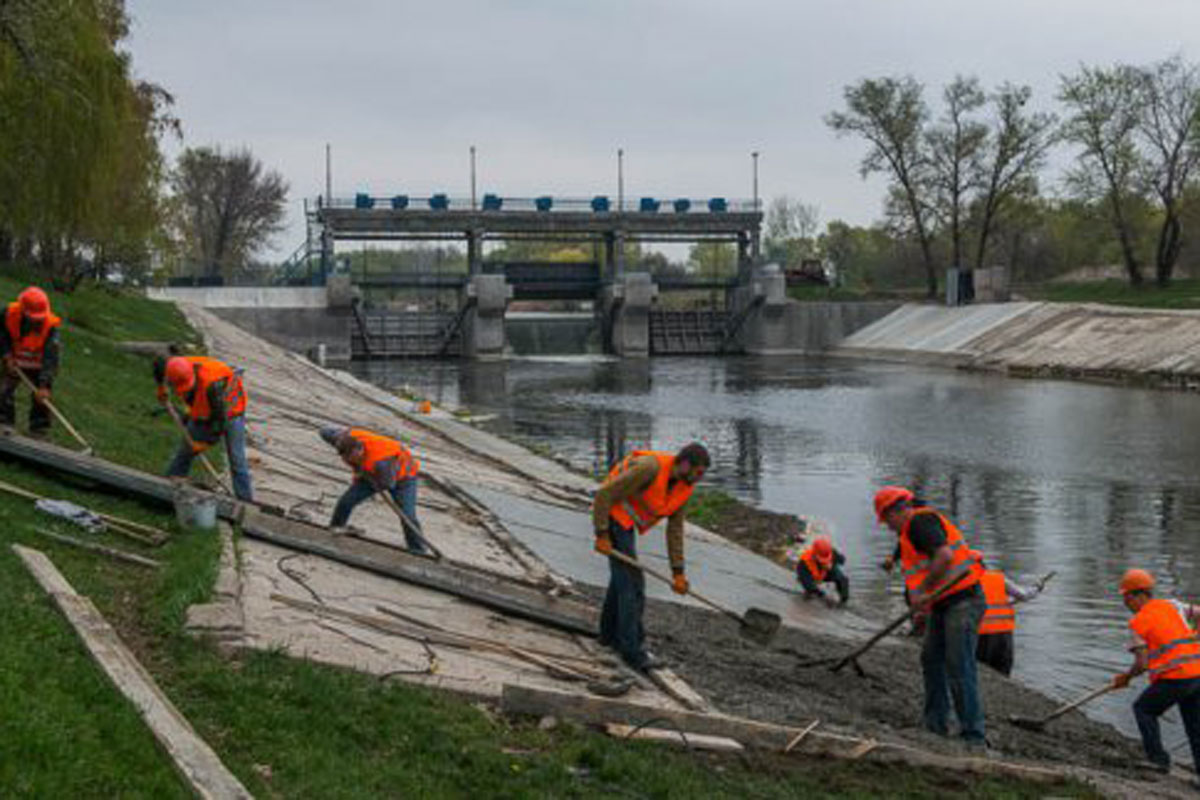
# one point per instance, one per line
(473, 206)
(620, 179)
(328, 176)
(754, 159)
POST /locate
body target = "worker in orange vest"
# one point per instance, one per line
(1164, 643)
(216, 409)
(642, 489)
(29, 344)
(936, 557)
(821, 563)
(996, 647)
(380, 464)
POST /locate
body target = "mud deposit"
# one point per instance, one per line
(767, 684)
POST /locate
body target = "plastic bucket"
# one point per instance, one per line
(196, 510)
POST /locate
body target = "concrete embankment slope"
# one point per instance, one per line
(1074, 340)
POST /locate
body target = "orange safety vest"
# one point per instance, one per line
(28, 349)
(1173, 647)
(208, 372)
(1001, 615)
(380, 448)
(658, 500)
(814, 566)
(915, 564)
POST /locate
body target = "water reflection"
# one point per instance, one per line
(1043, 476)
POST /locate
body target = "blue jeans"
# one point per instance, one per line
(235, 450)
(625, 602)
(948, 663)
(403, 492)
(1154, 702)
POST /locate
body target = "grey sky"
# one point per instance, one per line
(548, 89)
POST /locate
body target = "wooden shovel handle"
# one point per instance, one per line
(636, 564)
(53, 410)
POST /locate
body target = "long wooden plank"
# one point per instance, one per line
(192, 757)
(92, 547)
(484, 589)
(593, 710)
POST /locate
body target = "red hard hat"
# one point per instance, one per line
(1136, 580)
(823, 549)
(888, 496)
(34, 303)
(180, 374)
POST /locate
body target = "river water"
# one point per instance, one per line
(1042, 476)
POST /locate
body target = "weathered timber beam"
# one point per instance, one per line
(593, 710)
(484, 589)
(191, 755)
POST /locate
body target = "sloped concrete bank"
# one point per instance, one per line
(1082, 341)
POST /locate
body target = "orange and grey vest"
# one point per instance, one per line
(1173, 647)
(29, 349)
(380, 448)
(815, 568)
(1001, 616)
(915, 564)
(658, 500)
(208, 372)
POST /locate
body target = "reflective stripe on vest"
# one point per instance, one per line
(28, 350)
(1000, 616)
(658, 500)
(915, 564)
(1173, 648)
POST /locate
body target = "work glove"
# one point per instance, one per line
(1120, 680)
(679, 584)
(42, 395)
(199, 447)
(603, 544)
(161, 392)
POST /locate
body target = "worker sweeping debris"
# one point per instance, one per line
(821, 563)
(216, 402)
(1164, 643)
(641, 490)
(996, 648)
(931, 549)
(29, 345)
(380, 464)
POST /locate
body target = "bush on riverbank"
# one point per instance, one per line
(286, 727)
(1180, 294)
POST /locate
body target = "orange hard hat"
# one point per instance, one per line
(888, 496)
(180, 374)
(823, 549)
(34, 303)
(1136, 580)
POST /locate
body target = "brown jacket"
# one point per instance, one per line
(636, 479)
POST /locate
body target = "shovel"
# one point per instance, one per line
(1040, 724)
(757, 625)
(408, 521)
(87, 448)
(187, 436)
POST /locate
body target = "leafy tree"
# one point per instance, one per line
(227, 208)
(792, 228)
(955, 144)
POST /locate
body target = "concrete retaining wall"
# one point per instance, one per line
(813, 327)
(243, 296)
(1054, 339)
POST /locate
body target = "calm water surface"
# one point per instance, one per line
(1079, 479)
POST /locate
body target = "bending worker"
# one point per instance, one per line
(29, 344)
(1000, 595)
(1164, 643)
(642, 489)
(379, 464)
(216, 403)
(821, 563)
(946, 582)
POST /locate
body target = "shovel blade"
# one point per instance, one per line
(759, 626)
(1035, 725)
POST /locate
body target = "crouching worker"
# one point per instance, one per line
(1164, 644)
(819, 564)
(216, 404)
(29, 344)
(379, 464)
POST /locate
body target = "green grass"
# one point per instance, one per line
(708, 506)
(1179, 294)
(286, 727)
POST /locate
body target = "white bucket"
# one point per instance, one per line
(195, 510)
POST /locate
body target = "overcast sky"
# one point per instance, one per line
(547, 90)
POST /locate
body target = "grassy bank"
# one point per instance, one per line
(1180, 294)
(286, 727)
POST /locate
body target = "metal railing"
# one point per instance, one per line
(490, 203)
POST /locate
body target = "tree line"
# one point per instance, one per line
(85, 189)
(966, 179)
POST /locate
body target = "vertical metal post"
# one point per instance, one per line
(754, 159)
(473, 206)
(620, 179)
(328, 175)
